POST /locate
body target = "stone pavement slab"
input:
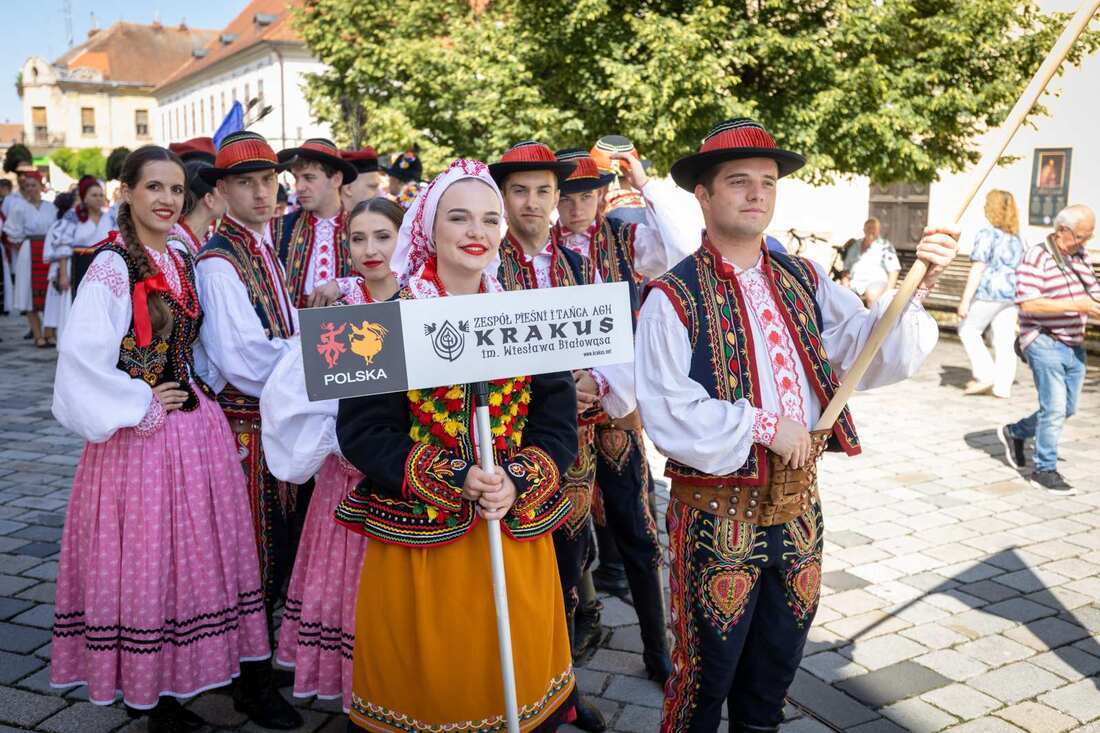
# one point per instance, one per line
(893, 683)
(948, 582)
(917, 716)
(1037, 718)
(962, 701)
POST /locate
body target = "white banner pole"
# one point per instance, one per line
(496, 557)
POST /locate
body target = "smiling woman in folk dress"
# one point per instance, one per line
(158, 590)
(426, 655)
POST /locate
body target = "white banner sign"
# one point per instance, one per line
(399, 345)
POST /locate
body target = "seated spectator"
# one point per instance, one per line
(871, 264)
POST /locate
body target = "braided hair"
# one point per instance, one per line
(160, 315)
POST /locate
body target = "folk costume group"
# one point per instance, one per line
(213, 497)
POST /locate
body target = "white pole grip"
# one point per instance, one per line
(496, 557)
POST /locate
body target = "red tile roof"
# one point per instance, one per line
(134, 53)
(11, 133)
(244, 33)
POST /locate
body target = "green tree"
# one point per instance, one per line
(18, 154)
(893, 89)
(113, 167)
(78, 163)
(453, 81)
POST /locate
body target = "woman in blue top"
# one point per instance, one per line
(989, 298)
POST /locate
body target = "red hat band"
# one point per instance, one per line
(244, 149)
(319, 146)
(367, 153)
(529, 152)
(586, 169)
(735, 135)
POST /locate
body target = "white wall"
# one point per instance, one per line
(835, 212)
(233, 74)
(114, 112)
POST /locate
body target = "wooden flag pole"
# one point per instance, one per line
(1027, 100)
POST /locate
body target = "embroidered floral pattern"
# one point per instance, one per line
(434, 477)
(166, 263)
(104, 274)
(540, 507)
(724, 592)
(578, 481)
(764, 424)
(143, 362)
(614, 447)
(785, 367)
(378, 717)
(803, 544)
(439, 414)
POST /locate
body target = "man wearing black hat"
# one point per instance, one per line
(622, 252)
(531, 257)
(368, 183)
(311, 241)
(405, 173)
(738, 350)
(248, 319)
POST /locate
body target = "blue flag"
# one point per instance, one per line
(233, 122)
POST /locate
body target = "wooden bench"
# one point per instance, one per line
(949, 288)
(944, 299)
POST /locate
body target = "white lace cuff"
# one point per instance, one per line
(154, 418)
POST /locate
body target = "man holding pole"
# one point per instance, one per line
(738, 352)
(622, 252)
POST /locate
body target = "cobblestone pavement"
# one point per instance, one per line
(954, 596)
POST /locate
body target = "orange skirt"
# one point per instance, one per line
(426, 656)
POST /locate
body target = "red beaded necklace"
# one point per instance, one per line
(432, 276)
(188, 300)
(366, 291)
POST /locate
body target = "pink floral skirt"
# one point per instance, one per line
(318, 631)
(158, 589)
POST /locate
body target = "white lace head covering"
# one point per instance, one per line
(415, 240)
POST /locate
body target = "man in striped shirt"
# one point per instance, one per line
(1057, 292)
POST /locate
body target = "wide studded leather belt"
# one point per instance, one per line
(788, 494)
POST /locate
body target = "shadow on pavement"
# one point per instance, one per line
(987, 441)
(954, 376)
(1053, 638)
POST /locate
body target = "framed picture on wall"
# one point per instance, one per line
(1049, 184)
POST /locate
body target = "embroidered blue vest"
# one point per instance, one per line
(707, 297)
(612, 249)
(293, 237)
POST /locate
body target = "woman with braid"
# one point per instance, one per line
(158, 590)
